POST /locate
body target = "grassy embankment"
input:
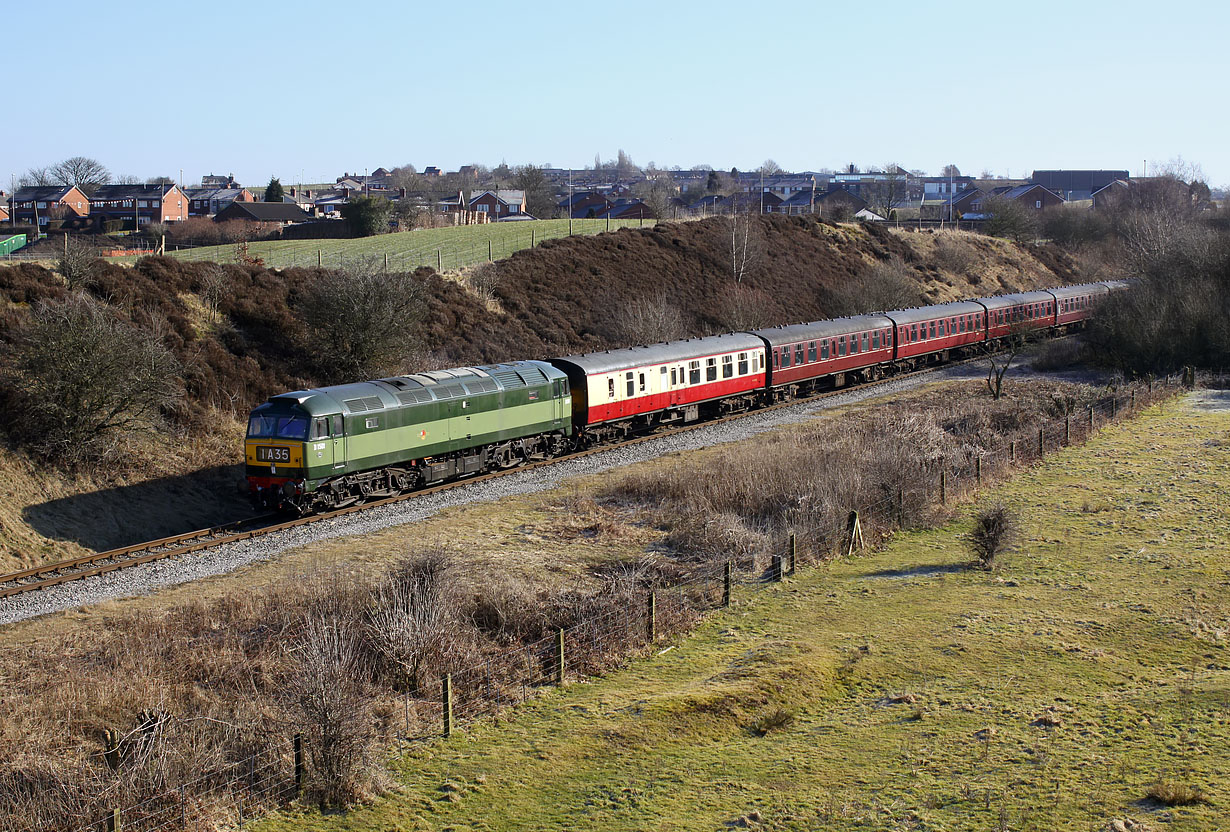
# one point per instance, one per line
(443, 248)
(1050, 695)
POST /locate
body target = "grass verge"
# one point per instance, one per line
(1054, 694)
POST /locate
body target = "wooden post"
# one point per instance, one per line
(1067, 430)
(446, 702)
(901, 506)
(855, 530)
(559, 656)
(531, 238)
(1132, 403)
(1012, 451)
(943, 487)
(794, 554)
(386, 262)
(111, 748)
(115, 823)
(439, 261)
(489, 258)
(299, 768)
(978, 470)
(1041, 443)
(726, 585)
(651, 616)
(775, 568)
(320, 258)
(1112, 407)
(1090, 417)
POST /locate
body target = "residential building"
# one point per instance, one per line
(432, 170)
(48, 202)
(1107, 195)
(628, 209)
(1034, 197)
(205, 202)
(952, 207)
(214, 181)
(282, 213)
(1076, 184)
(586, 204)
(498, 204)
(147, 203)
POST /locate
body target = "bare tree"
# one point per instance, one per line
(411, 616)
(362, 322)
(484, 279)
(746, 244)
(1001, 353)
(78, 263)
(82, 172)
(769, 168)
(890, 187)
(950, 170)
(212, 288)
(86, 379)
(1010, 218)
(649, 320)
(36, 178)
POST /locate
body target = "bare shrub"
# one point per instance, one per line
(649, 320)
(412, 617)
(995, 533)
(335, 702)
(954, 254)
(85, 379)
(886, 284)
(484, 279)
(361, 322)
(213, 284)
(78, 263)
(745, 307)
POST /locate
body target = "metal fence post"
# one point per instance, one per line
(559, 656)
(651, 615)
(726, 585)
(446, 701)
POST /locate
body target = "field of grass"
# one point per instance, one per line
(442, 248)
(909, 692)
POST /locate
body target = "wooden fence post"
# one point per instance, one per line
(1091, 417)
(446, 702)
(115, 823)
(1067, 430)
(489, 257)
(794, 554)
(651, 616)
(559, 656)
(1041, 443)
(775, 568)
(1012, 451)
(978, 470)
(300, 771)
(901, 506)
(943, 487)
(726, 585)
(439, 261)
(1112, 407)
(1132, 403)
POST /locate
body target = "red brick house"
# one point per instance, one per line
(1034, 197)
(147, 203)
(205, 202)
(498, 204)
(50, 202)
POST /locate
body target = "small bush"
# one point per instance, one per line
(1176, 794)
(770, 720)
(1059, 355)
(994, 533)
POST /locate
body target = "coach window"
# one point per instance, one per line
(610, 388)
(931, 329)
(841, 345)
(960, 324)
(693, 372)
(742, 363)
(785, 357)
(642, 382)
(866, 341)
(710, 369)
(728, 366)
(824, 349)
(631, 385)
(798, 354)
(888, 338)
(875, 340)
(811, 351)
(674, 377)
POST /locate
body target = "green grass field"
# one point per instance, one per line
(1048, 695)
(442, 248)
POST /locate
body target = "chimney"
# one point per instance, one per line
(307, 194)
(292, 191)
(401, 193)
(345, 193)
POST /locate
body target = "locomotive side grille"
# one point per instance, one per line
(482, 385)
(532, 375)
(364, 404)
(418, 396)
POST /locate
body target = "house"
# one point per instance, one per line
(748, 203)
(838, 202)
(432, 170)
(586, 204)
(44, 203)
(941, 187)
(213, 181)
(499, 203)
(1076, 184)
(1035, 197)
(1109, 194)
(867, 215)
(4, 209)
(281, 213)
(800, 202)
(628, 209)
(205, 202)
(954, 206)
(147, 203)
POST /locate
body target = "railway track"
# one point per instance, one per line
(100, 563)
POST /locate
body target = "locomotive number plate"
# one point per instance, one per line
(267, 454)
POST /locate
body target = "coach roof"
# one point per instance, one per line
(1020, 299)
(823, 329)
(1082, 289)
(691, 349)
(939, 310)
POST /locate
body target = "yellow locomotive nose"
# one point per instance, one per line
(274, 454)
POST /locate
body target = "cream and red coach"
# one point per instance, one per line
(618, 391)
(801, 355)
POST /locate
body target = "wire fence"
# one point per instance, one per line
(509, 676)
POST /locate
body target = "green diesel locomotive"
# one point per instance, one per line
(314, 450)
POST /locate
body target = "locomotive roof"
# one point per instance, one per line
(1081, 289)
(822, 329)
(416, 388)
(938, 310)
(629, 357)
(1004, 301)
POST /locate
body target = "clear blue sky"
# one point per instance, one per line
(306, 90)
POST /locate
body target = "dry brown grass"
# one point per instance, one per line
(1176, 794)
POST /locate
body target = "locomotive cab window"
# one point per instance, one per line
(337, 425)
(320, 427)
